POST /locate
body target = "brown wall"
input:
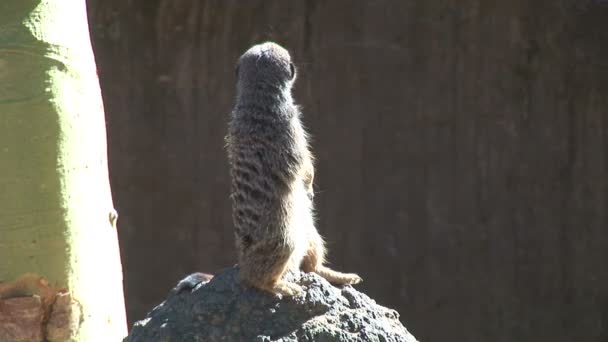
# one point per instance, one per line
(462, 151)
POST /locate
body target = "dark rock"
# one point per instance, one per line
(224, 310)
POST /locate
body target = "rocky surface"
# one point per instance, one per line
(224, 310)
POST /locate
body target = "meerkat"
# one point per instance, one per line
(272, 173)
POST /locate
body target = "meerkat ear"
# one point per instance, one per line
(292, 68)
(236, 71)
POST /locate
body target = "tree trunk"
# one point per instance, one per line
(57, 223)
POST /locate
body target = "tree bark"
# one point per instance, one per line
(58, 241)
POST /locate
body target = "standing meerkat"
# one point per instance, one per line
(272, 175)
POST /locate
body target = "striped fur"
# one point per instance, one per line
(272, 173)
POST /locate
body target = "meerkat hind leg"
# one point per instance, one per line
(265, 270)
(313, 262)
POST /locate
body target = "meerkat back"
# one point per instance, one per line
(272, 173)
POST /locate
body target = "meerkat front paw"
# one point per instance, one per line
(287, 289)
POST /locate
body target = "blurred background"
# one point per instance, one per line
(462, 151)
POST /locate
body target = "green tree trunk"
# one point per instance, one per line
(56, 211)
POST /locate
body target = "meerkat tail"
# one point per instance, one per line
(315, 257)
(336, 277)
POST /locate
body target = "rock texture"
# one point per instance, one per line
(21, 319)
(224, 310)
(32, 310)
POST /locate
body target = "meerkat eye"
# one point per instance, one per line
(292, 68)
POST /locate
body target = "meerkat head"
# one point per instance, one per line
(265, 66)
